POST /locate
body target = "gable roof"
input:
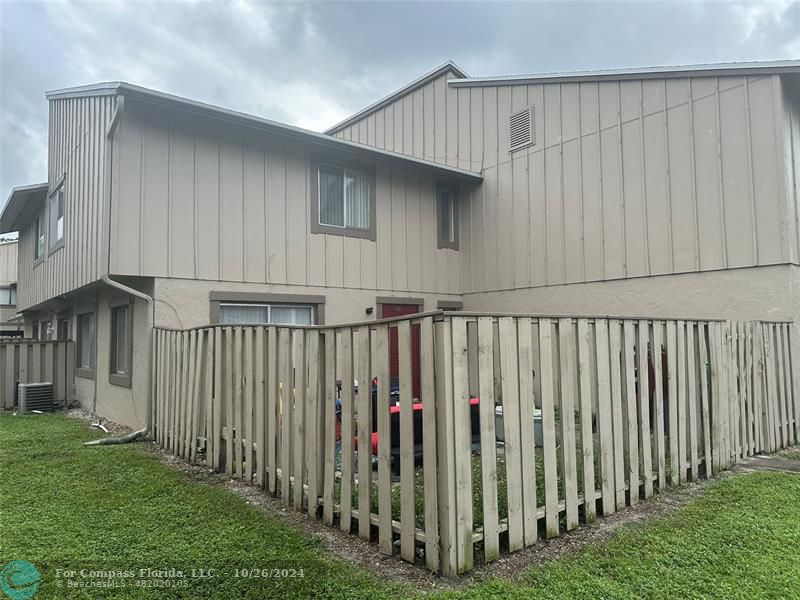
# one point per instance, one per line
(406, 89)
(699, 70)
(22, 204)
(154, 97)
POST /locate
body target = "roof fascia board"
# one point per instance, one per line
(137, 93)
(17, 204)
(83, 91)
(711, 70)
(399, 93)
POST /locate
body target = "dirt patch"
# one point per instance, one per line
(114, 429)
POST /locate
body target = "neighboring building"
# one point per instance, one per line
(660, 192)
(9, 325)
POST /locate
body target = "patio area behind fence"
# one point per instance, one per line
(472, 434)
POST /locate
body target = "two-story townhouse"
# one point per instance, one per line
(666, 191)
(9, 326)
(660, 192)
(217, 217)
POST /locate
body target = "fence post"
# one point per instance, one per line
(443, 365)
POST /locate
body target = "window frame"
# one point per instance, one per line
(254, 298)
(54, 196)
(121, 379)
(12, 295)
(80, 314)
(38, 233)
(455, 191)
(343, 164)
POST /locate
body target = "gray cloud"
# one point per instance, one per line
(311, 64)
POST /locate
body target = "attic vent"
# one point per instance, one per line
(520, 129)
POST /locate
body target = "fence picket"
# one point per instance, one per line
(248, 420)
(329, 407)
(407, 475)
(463, 445)
(381, 362)
(783, 404)
(346, 495)
(586, 385)
(428, 390)
(491, 538)
(527, 435)
(644, 408)
(509, 369)
(691, 382)
(364, 421)
(658, 375)
(704, 398)
(273, 399)
(604, 417)
(682, 403)
(298, 398)
(548, 427)
(568, 368)
(314, 434)
(632, 450)
(285, 367)
(617, 410)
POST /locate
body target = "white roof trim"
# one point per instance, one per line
(700, 70)
(143, 94)
(410, 87)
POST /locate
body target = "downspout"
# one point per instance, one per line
(151, 313)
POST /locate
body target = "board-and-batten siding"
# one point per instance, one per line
(8, 263)
(625, 179)
(792, 151)
(76, 147)
(199, 200)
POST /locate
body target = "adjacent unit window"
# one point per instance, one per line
(35, 331)
(447, 216)
(8, 296)
(343, 200)
(121, 344)
(38, 229)
(85, 344)
(57, 217)
(274, 314)
(63, 329)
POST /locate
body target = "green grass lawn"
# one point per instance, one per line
(117, 507)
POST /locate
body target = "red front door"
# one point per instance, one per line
(399, 310)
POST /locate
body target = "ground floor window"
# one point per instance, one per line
(274, 314)
(63, 329)
(121, 347)
(85, 344)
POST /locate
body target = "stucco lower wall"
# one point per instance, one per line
(183, 303)
(754, 293)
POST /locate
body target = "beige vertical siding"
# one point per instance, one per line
(199, 200)
(625, 179)
(76, 147)
(8, 263)
(792, 152)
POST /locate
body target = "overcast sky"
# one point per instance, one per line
(312, 64)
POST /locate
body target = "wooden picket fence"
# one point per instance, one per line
(260, 403)
(31, 361)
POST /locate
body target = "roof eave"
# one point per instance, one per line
(14, 213)
(406, 89)
(708, 70)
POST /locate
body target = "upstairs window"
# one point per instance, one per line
(57, 217)
(38, 241)
(343, 201)
(447, 216)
